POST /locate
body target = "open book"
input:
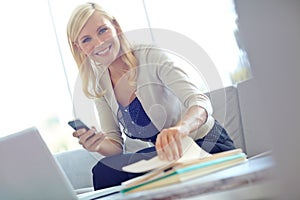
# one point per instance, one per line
(191, 151)
(195, 162)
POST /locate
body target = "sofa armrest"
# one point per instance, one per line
(226, 108)
(77, 165)
(254, 128)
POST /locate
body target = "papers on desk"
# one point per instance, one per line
(187, 168)
(191, 151)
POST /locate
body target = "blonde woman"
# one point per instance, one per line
(137, 91)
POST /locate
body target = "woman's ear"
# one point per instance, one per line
(116, 26)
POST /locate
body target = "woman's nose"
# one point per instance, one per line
(98, 41)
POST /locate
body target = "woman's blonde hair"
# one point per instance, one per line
(88, 76)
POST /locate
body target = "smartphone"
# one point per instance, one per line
(78, 124)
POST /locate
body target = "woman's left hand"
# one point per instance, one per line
(168, 143)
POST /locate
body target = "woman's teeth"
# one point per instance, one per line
(104, 51)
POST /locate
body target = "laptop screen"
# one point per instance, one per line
(29, 171)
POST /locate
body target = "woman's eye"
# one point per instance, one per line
(85, 40)
(102, 30)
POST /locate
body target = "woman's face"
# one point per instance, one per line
(99, 40)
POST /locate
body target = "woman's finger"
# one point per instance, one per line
(83, 138)
(166, 148)
(79, 132)
(158, 146)
(172, 149)
(93, 143)
(178, 140)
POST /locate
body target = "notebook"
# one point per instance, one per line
(28, 170)
(185, 171)
(191, 151)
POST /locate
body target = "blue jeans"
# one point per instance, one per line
(108, 171)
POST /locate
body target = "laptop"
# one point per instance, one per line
(28, 170)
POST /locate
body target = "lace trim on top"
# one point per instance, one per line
(135, 122)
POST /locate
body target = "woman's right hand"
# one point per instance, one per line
(90, 140)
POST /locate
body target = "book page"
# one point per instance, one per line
(191, 151)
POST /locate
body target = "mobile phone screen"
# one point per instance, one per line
(78, 124)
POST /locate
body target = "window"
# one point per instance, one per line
(32, 82)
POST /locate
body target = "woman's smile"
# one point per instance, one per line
(103, 51)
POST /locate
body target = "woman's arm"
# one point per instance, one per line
(198, 106)
(195, 117)
(168, 143)
(108, 141)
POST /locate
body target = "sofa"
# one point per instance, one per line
(234, 107)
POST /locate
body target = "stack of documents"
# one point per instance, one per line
(194, 163)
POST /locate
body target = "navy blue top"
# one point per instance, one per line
(136, 123)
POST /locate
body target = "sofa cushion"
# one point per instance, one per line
(77, 165)
(226, 110)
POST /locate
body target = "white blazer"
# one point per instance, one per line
(164, 90)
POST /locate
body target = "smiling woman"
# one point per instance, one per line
(131, 86)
